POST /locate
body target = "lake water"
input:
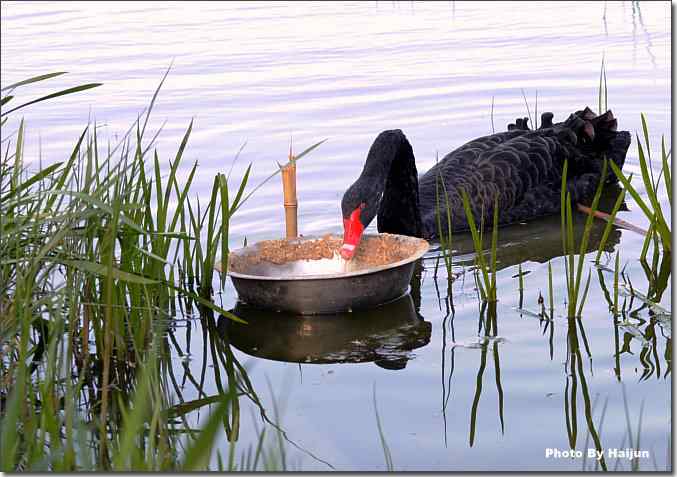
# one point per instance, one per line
(448, 398)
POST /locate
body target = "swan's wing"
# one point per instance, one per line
(523, 170)
(545, 199)
(504, 166)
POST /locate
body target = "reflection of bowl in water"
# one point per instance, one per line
(321, 286)
(386, 335)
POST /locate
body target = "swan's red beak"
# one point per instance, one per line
(352, 233)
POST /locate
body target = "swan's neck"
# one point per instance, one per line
(399, 211)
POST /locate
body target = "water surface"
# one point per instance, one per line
(451, 395)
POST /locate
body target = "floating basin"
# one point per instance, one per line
(307, 275)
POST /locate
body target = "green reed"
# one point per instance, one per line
(8, 90)
(616, 272)
(611, 219)
(653, 210)
(445, 236)
(551, 295)
(602, 91)
(96, 254)
(487, 286)
(574, 261)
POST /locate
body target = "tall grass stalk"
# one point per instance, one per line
(616, 272)
(602, 92)
(653, 210)
(95, 253)
(551, 296)
(609, 225)
(487, 286)
(574, 262)
(445, 236)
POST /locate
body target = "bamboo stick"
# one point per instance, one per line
(290, 201)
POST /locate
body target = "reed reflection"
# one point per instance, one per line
(539, 240)
(488, 323)
(641, 319)
(575, 376)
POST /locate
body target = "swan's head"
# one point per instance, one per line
(359, 207)
(362, 200)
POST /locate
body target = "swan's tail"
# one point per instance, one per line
(598, 137)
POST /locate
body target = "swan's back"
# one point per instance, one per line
(522, 168)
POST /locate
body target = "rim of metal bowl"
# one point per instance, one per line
(423, 248)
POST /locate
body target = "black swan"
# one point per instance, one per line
(520, 167)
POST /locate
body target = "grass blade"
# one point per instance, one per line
(75, 89)
(34, 79)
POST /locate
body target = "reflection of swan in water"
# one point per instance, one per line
(385, 335)
(538, 240)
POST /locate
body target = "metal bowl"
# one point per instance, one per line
(310, 287)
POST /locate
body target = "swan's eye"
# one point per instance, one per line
(363, 205)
